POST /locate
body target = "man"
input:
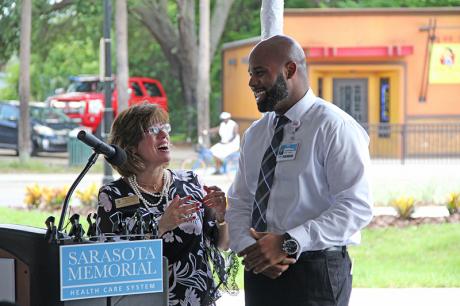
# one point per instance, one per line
(229, 140)
(301, 194)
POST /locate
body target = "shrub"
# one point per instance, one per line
(405, 206)
(88, 197)
(34, 196)
(54, 197)
(453, 203)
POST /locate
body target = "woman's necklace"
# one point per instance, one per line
(132, 180)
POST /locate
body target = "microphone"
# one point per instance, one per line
(113, 154)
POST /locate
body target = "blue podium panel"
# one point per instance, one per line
(111, 269)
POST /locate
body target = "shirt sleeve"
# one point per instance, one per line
(346, 167)
(240, 208)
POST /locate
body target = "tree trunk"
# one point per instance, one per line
(180, 45)
(202, 88)
(218, 21)
(121, 28)
(24, 143)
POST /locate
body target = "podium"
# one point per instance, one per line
(36, 276)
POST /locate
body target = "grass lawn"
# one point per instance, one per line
(38, 166)
(424, 256)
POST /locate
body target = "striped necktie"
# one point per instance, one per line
(267, 172)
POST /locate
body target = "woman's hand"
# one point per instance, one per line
(177, 213)
(216, 199)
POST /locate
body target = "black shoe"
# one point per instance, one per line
(217, 172)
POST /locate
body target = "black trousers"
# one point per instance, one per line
(318, 278)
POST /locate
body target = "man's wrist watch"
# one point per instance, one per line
(290, 246)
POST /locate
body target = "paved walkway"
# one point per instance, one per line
(383, 297)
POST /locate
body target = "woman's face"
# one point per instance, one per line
(154, 146)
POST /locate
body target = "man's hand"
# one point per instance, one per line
(278, 269)
(265, 256)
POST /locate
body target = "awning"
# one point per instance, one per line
(372, 51)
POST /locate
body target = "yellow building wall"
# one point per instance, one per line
(237, 97)
(359, 28)
(386, 28)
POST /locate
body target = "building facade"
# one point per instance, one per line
(396, 71)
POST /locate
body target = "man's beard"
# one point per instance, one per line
(277, 93)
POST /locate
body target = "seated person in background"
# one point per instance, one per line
(229, 139)
(190, 216)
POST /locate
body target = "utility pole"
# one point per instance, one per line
(108, 110)
(121, 39)
(271, 18)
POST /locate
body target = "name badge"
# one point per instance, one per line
(287, 151)
(126, 201)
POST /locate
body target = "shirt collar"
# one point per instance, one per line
(301, 107)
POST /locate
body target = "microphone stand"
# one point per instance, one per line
(91, 160)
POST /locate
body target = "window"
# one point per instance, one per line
(86, 86)
(136, 89)
(320, 87)
(9, 112)
(384, 109)
(152, 89)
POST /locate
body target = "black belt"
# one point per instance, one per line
(332, 249)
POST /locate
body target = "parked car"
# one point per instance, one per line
(49, 128)
(84, 99)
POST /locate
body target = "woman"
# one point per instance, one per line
(229, 139)
(190, 216)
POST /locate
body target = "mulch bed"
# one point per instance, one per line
(393, 221)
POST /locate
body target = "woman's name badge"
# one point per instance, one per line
(126, 201)
(287, 151)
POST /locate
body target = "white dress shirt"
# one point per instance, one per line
(321, 198)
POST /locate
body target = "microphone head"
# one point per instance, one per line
(81, 135)
(119, 158)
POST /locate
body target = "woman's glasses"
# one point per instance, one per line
(156, 129)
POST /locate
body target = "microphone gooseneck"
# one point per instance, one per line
(113, 154)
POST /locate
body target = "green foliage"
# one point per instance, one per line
(453, 203)
(69, 58)
(34, 196)
(88, 196)
(65, 42)
(9, 33)
(53, 198)
(405, 206)
(11, 91)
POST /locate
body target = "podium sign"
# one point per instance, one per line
(111, 269)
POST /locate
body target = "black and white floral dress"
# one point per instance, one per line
(186, 247)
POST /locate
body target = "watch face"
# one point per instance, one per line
(290, 246)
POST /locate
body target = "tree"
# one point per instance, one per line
(178, 40)
(24, 80)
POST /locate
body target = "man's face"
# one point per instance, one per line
(272, 96)
(269, 95)
(267, 83)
